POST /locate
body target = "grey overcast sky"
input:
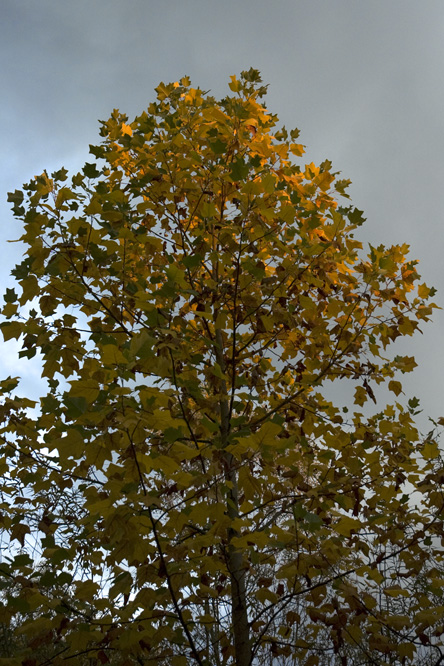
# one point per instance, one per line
(361, 79)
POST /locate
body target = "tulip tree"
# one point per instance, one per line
(184, 492)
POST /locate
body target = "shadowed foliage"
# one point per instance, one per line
(184, 492)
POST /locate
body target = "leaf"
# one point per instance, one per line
(88, 391)
(239, 170)
(396, 591)
(19, 532)
(75, 406)
(192, 261)
(264, 595)
(122, 584)
(313, 520)
(346, 525)
(356, 217)
(406, 650)
(90, 170)
(9, 384)
(11, 330)
(126, 129)
(396, 387)
(428, 616)
(64, 194)
(423, 291)
(165, 465)
(405, 363)
(10, 296)
(430, 450)
(111, 355)
(94, 207)
(86, 589)
(218, 147)
(60, 174)
(360, 396)
(399, 622)
(234, 84)
(16, 197)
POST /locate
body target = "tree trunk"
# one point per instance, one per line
(239, 611)
(239, 614)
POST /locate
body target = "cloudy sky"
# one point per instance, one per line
(361, 79)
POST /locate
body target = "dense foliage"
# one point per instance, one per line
(184, 492)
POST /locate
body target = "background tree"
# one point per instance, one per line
(190, 294)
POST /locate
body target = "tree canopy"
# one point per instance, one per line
(184, 492)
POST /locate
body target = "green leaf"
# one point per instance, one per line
(239, 170)
(172, 434)
(356, 217)
(10, 296)
(218, 147)
(60, 175)
(192, 261)
(49, 404)
(313, 520)
(75, 406)
(16, 197)
(19, 532)
(90, 170)
(9, 384)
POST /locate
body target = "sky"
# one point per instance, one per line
(361, 79)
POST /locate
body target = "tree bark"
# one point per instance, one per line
(239, 610)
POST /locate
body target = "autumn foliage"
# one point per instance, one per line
(184, 493)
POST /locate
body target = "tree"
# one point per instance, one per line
(184, 493)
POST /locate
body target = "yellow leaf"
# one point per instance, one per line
(376, 575)
(164, 464)
(93, 207)
(396, 387)
(399, 622)
(111, 355)
(406, 650)
(396, 591)
(265, 595)
(372, 573)
(11, 329)
(360, 396)
(423, 291)
(86, 389)
(353, 635)
(207, 619)
(257, 539)
(430, 450)
(324, 180)
(266, 433)
(297, 149)
(429, 616)
(86, 589)
(184, 479)
(345, 525)
(250, 486)
(9, 309)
